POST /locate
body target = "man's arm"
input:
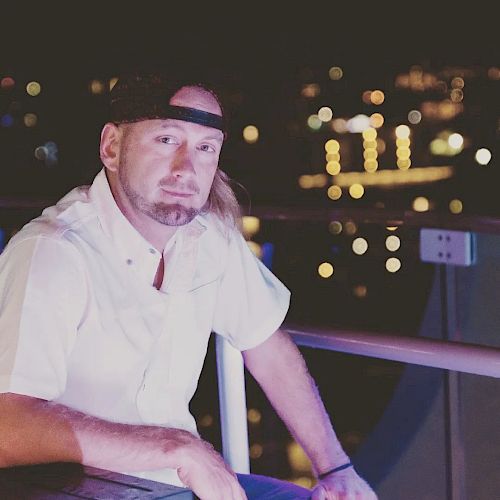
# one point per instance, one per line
(279, 368)
(36, 431)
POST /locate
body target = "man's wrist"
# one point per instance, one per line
(338, 468)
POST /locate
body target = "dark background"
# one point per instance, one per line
(260, 55)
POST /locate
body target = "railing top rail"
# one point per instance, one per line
(457, 356)
(382, 216)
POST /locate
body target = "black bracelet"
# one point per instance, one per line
(336, 469)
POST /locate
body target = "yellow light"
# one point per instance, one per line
(320, 180)
(297, 458)
(456, 206)
(483, 156)
(371, 165)
(438, 147)
(356, 191)
(392, 264)
(333, 167)
(360, 291)
(30, 119)
(335, 73)
(251, 225)
(206, 421)
(420, 204)
(310, 90)
(391, 228)
(457, 83)
(97, 87)
(335, 227)
(325, 114)
(392, 243)
(403, 143)
(414, 116)
(33, 88)
(403, 153)
(370, 154)
(251, 134)
(350, 227)
(332, 157)
(112, 82)
(402, 131)
(313, 122)
(332, 146)
(325, 270)
(370, 144)
(255, 248)
(359, 246)
(306, 181)
(256, 451)
(376, 120)
(403, 163)
(377, 97)
(334, 192)
(305, 482)
(254, 416)
(370, 134)
(456, 95)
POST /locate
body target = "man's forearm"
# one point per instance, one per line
(280, 370)
(36, 431)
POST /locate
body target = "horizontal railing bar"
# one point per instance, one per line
(457, 356)
(389, 217)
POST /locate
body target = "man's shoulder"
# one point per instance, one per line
(68, 215)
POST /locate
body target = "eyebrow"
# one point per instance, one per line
(171, 123)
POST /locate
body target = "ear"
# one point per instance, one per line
(110, 146)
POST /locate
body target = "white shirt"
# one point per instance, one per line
(81, 323)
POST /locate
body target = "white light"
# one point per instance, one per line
(392, 243)
(483, 156)
(392, 264)
(456, 141)
(325, 114)
(359, 246)
(358, 124)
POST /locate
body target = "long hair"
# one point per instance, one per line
(222, 201)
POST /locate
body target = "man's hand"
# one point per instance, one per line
(205, 472)
(343, 485)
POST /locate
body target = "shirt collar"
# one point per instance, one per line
(132, 248)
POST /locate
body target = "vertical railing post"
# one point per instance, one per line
(232, 403)
(453, 401)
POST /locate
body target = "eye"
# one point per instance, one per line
(207, 148)
(168, 139)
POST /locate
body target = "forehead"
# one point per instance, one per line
(197, 98)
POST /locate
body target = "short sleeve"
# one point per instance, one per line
(42, 298)
(251, 302)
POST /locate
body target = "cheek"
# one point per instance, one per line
(205, 178)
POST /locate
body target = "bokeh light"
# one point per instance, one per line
(393, 264)
(359, 246)
(33, 88)
(251, 134)
(325, 270)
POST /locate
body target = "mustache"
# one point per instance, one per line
(189, 186)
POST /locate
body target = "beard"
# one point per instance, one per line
(169, 214)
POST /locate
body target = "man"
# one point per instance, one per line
(107, 301)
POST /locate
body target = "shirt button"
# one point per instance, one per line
(129, 261)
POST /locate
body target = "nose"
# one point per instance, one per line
(183, 164)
